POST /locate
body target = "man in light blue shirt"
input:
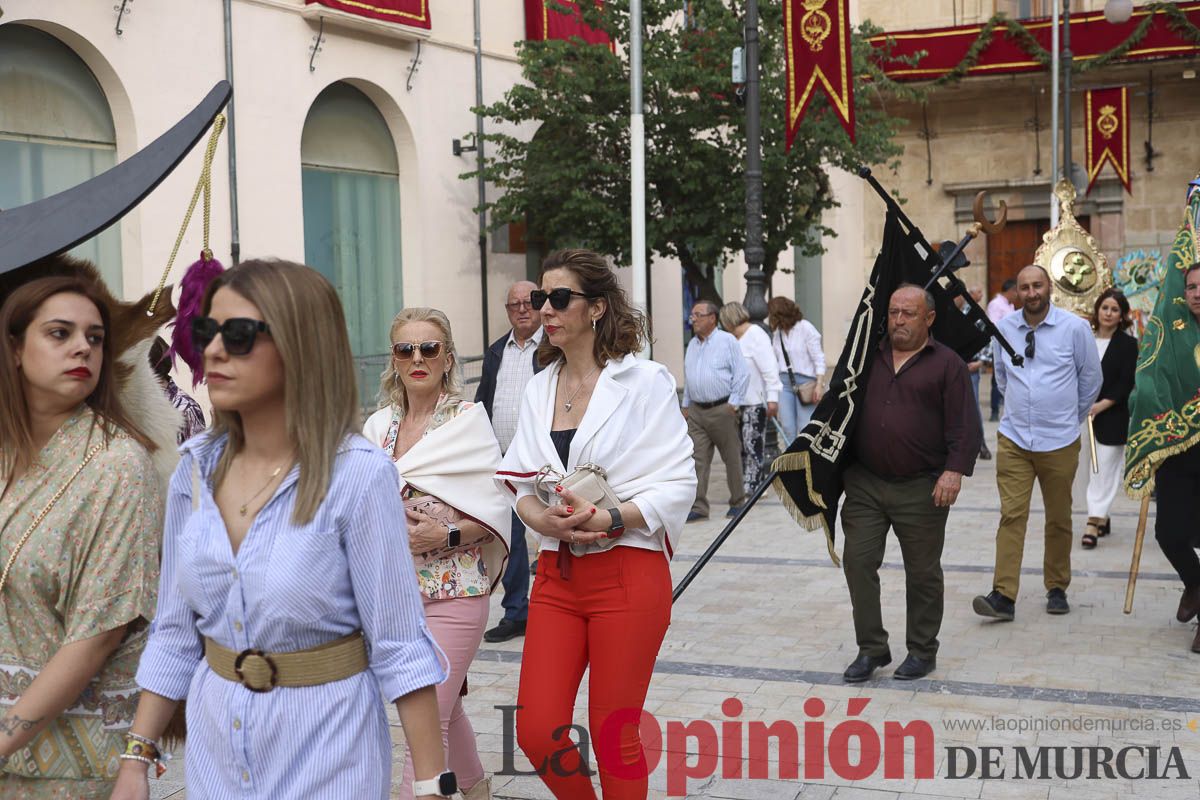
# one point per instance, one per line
(715, 381)
(1045, 402)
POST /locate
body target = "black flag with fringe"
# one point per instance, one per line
(809, 480)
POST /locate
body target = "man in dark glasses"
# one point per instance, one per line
(1045, 403)
(715, 380)
(507, 366)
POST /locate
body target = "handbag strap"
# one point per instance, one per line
(12, 558)
(786, 359)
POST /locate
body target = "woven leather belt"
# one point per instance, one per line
(262, 672)
(706, 406)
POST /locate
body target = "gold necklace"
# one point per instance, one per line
(578, 386)
(270, 480)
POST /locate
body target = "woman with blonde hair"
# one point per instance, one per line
(286, 609)
(80, 510)
(801, 363)
(761, 400)
(446, 453)
(602, 598)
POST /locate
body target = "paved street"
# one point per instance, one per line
(768, 623)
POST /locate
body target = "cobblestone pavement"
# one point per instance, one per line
(768, 622)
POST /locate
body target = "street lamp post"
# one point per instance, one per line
(1067, 59)
(756, 279)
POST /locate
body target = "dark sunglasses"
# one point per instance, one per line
(559, 298)
(403, 351)
(1029, 348)
(237, 334)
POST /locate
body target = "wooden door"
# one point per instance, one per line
(1013, 248)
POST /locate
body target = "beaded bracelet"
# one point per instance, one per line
(143, 750)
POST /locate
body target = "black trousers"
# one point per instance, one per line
(1177, 525)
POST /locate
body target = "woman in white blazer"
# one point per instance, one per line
(602, 597)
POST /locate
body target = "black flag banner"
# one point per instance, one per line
(809, 472)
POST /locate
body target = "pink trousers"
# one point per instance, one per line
(457, 626)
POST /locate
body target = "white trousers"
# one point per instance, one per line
(1103, 485)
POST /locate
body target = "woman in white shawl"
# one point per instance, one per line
(607, 607)
(458, 521)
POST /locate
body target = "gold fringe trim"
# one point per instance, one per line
(1152, 462)
(792, 462)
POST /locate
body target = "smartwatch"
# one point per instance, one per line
(444, 785)
(618, 525)
(453, 535)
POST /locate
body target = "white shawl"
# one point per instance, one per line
(633, 428)
(456, 463)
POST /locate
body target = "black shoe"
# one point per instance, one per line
(994, 417)
(914, 668)
(984, 453)
(507, 629)
(863, 666)
(732, 512)
(1189, 604)
(994, 605)
(696, 516)
(1056, 602)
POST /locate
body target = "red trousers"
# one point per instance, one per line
(611, 614)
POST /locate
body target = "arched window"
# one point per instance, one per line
(56, 131)
(352, 216)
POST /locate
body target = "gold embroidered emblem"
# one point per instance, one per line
(815, 25)
(1178, 324)
(1107, 123)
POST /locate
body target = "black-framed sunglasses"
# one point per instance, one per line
(559, 298)
(1029, 348)
(403, 351)
(237, 334)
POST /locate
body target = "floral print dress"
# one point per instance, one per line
(442, 575)
(89, 567)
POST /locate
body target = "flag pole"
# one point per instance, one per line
(637, 166)
(720, 540)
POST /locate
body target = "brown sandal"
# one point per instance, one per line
(1092, 534)
(1105, 527)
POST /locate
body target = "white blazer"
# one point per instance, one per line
(633, 428)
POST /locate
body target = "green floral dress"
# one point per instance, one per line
(91, 566)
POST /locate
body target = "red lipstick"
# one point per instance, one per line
(79, 372)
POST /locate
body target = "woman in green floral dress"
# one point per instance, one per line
(80, 514)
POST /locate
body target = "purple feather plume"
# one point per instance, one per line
(191, 300)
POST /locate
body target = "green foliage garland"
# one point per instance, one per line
(1177, 20)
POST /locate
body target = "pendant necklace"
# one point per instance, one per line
(270, 480)
(567, 404)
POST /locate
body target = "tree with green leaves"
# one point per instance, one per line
(569, 180)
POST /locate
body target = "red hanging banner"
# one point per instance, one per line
(543, 22)
(943, 49)
(819, 57)
(1107, 114)
(413, 13)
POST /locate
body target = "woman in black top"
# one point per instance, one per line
(1110, 413)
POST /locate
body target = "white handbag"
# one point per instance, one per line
(590, 482)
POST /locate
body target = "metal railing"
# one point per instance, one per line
(369, 368)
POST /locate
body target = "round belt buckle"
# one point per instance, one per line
(240, 663)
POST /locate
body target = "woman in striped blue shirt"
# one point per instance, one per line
(286, 606)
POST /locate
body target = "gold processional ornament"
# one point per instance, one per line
(1079, 272)
(815, 25)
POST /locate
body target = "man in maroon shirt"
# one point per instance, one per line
(918, 435)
